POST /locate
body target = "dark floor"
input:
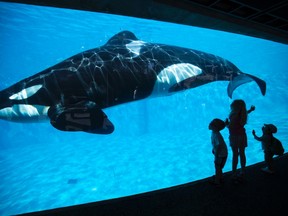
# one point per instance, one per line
(261, 194)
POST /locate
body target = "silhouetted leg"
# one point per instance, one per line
(268, 156)
(234, 160)
(242, 159)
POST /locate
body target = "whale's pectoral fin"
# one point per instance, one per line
(83, 116)
(242, 79)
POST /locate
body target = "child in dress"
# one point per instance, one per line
(266, 141)
(219, 149)
(237, 136)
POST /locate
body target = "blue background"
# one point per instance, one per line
(157, 143)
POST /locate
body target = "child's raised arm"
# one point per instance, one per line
(255, 136)
(252, 108)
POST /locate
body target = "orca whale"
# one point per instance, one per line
(72, 94)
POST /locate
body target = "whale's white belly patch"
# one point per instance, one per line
(25, 113)
(172, 75)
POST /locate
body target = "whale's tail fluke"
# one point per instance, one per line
(242, 79)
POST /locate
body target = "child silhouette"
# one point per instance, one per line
(266, 141)
(219, 149)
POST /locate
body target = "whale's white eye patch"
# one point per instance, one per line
(135, 47)
(25, 93)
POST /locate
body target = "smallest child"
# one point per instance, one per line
(219, 149)
(266, 141)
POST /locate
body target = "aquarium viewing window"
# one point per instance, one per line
(160, 136)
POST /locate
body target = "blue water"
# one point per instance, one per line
(157, 143)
